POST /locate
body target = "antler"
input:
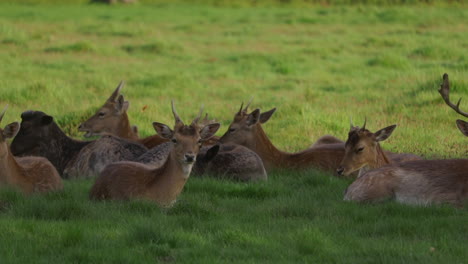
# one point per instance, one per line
(444, 92)
(176, 116)
(240, 109)
(3, 113)
(365, 122)
(113, 97)
(195, 121)
(248, 104)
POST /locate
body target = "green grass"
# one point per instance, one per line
(318, 66)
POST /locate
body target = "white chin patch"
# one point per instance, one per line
(187, 168)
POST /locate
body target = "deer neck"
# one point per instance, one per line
(10, 171)
(380, 160)
(60, 149)
(270, 155)
(124, 129)
(170, 180)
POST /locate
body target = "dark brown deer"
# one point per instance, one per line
(444, 92)
(112, 119)
(40, 136)
(363, 151)
(246, 130)
(29, 174)
(126, 180)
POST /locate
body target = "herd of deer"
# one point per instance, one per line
(157, 167)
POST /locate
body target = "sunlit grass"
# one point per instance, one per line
(318, 66)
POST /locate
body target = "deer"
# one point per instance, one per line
(246, 130)
(132, 180)
(112, 118)
(444, 92)
(223, 161)
(28, 174)
(39, 135)
(363, 151)
(418, 182)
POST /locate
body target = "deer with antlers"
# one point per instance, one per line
(246, 130)
(112, 119)
(420, 182)
(363, 151)
(29, 174)
(444, 92)
(126, 180)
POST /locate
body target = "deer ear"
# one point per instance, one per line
(46, 120)
(265, 116)
(11, 130)
(463, 126)
(253, 117)
(384, 133)
(211, 153)
(209, 130)
(163, 130)
(122, 105)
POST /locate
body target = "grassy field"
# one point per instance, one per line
(317, 65)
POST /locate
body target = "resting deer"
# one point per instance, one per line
(420, 182)
(112, 119)
(246, 130)
(29, 174)
(444, 92)
(39, 135)
(125, 180)
(363, 151)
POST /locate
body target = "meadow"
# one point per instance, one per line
(319, 65)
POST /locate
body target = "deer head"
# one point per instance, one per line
(108, 116)
(444, 92)
(362, 148)
(9, 131)
(187, 139)
(243, 127)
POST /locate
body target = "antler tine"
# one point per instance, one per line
(195, 121)
(365, 122)
(116, 92)
(248, 104)
(176, 116)
(445, 91)
(351, 125)
(3, 113)
(240, 109)
(206, 117)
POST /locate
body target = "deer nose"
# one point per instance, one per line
(189, 157)
(340, 170)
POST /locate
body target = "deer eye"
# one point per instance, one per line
(359, 150)
(232, 130)
(174, 141)
(101, 114)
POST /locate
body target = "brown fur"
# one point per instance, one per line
(126, 180)
(112, 119)
(246, 130)
(29, 174)
(363, 151)
(420, 182)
